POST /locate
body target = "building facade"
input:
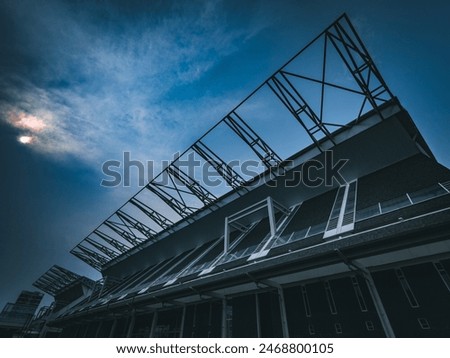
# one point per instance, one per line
(346, 237)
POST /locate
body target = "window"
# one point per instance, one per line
(359, 295)
(370, 326)
(306, 302)
(406, 288)
(330, 297)
(443, 273)
(423, 322)
(403, 201)
(342, 217)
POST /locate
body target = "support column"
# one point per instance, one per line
(284, 323)
(226, 237)
(44, 330)
(384, 319)
(272, 221)
(131, 325)
(183, 317)
(113, 328)
(155, 319)
(258, 319)
(382, 315)
(76, 331)
(224, 318)
(98, 328)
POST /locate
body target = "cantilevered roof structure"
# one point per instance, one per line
(308, 93)
(322, 212)
(57, 279)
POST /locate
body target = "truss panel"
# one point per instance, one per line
(298, 107)
(266, 154)
(87, 259)
(156, 217)
(355, 56)
(56, 279)
(176, 204)
(231, 177)
(203, 194)
(129, 222)
(113, 242)
(102, 248)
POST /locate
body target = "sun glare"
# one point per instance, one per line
(25, 139)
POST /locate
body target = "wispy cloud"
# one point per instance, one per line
(92, 88)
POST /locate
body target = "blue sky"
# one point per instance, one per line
(83, 81)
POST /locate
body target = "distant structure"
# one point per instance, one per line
(341, 230)
(15, 317)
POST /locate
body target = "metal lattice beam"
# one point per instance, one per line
(342, 38)
(87, 259)
(122, 248)
(223, 169)
(176, 204)
(359, 62)
(158, 218)
(204, 195)
(298, 107)
(96, 256)
(89, 256)
(266, 154)
(102, 248)
(129, 222)
(56, 279)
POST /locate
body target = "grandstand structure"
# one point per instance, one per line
(15, 317)
(340, 229)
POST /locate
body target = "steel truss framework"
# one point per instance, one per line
(56, 279)
(182, 194)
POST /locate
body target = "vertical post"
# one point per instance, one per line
(155, 319)
(258, 319)
(44, 330)
(224, 318)
(210, 319)
(384, 319)
(272, 222)
(97, 332)
(131, 325)
(226, 237)
(284, 324)
(183, 317)
(113, 328)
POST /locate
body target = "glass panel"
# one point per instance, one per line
(334, 216)
(427, 193)
(406, 288)
(350, 204)
(394, 204)
(368, 212)
(317, 229)
(299, 235)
